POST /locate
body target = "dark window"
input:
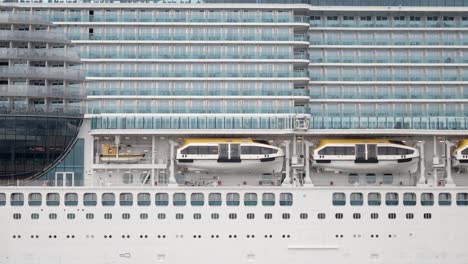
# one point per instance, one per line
(232, 199)
(144, 199)
(303, 216)
(250, 199)
(321, 216)
(391, 216)
(268, 199)
(214, 199)
(409, 199)
(126, 199)
(374, 216)
(445, 199)
(89, 199)
(391, 199)
(356, 216)
(339, 199)
(286, 199)
(71, 199)
(339, 216)
(374, 199)
(35, 199)
(356, 199)
(16, 199)
(162, 199)
(286, 216)
(178, 199)
(268, 216)
(197, 199)
(427, 199)
(108, 199)
(462, 199)
(427, 216)
(53, 199)
(409, 216)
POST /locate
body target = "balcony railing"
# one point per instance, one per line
(41, 73)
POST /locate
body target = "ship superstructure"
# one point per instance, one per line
(253, 132)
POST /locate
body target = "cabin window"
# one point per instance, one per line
(371, 178)
(200, 150)
(387, 178)
(286, 199)
(144, 199)
(427, 199)
(179, 199)
(53, 199)
(125, 216)
(250, 216)
(35, 199)
(126, 199)
(462, 199)
(356, 216)
(90, 216)
(394, 151)
(339, 216)
(374, 199)
(250, 199)
(254, 150)
(2, 199)
(197, 199)
(339, 199)
(214, 216)
(16, 199)
(127, 177)
(391, 216)
(161, 216)
(268, 199)
(214, 199)
(409, 216)
(34, 216)
(445, 199)
(286, 216)
(52, 216)
(303, 216)
(356, 199)
(89, 199)
(268, 216)
(232, 216)
(409, 199)
(321, 216)
(71, 216)
(107, 216)
(17, 216)
(232, 199)
(108, 199)
(143, 216)
(374, 216)
(337, 151)
(197, 216)
(162, 199)
(71, 199)
(353, 179)
(391, 199)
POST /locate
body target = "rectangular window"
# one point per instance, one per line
(89, 199)
(374, 199)
(250, 199)
(71, 216)
(179, 216)
(34, 216)
(197, 216)
(2, 199)
(391, 199)
(107, 216)
(409, 199)
(462, 199)
(197, 199)
(214, 216)
(268, 199)
(35, 199)
(71, 199)
(427, 199)
(445, 199)
(214, 199)
(53, 199)
(339, 199)
(179, 199)
(52, 216)
(16, 199)
(126, 199)
(356, 199)
(108, 199)
(17, 216)
(89, 216)
(232, 199)
(162, 199)
(161, 216)
(125, 216)
(303, 216)
(286, 199)
(144, 199)
(232, 216)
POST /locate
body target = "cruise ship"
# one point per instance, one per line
(234, 131)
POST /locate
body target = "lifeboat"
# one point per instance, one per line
(111, 154)
(460, 155)
(229, 155)
(365, 156)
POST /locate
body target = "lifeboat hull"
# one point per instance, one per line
(122, 159)
(240, 166)
(383, 166)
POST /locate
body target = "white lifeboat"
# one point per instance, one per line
(460, 155)
(365, 156)
(230, 155)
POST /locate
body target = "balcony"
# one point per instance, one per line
(43, 54)
(66, 74)
(33, 36)
(42, 91)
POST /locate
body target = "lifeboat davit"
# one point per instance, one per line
(460, 155)
(365, 156)
(111, 154)
(230, 155)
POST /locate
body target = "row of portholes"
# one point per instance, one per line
(360, 236)
(146, 236)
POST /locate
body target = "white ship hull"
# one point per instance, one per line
(242, 167)
(242, 240)
(383, 166)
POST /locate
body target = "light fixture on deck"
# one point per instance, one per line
(144, 138)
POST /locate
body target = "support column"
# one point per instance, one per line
(172, 180)
(307, 178)
(287, 178)
(422, 167)
(448, 164)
